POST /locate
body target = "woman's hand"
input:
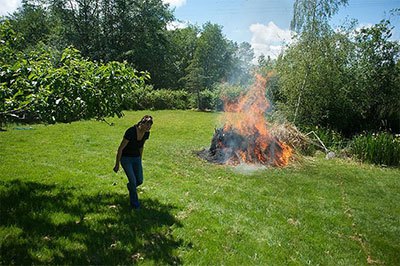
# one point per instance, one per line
(116, 168)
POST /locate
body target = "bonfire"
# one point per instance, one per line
(245, 138)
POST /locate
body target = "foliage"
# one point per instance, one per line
(123, 30)
(10, 42)
(138, 32)
(375, 78)
(342, 80)
(148, 98)
(311, 17)
(242, 58)
(35, 24)
(212, 62)
(314, 92)
(226, 92)
(194, 80)
(184, 43)
(213, 54)
(39, 87)
(208, 100)
(382, 148)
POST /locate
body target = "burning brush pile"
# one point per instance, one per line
(245, 138)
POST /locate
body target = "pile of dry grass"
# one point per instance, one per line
(292, 136)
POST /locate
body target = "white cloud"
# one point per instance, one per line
(175, 3)
(9, 6)
(177, 25)
(269, 39)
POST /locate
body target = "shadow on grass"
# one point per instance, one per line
(51, 224)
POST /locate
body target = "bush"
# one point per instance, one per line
(147, 98)
(34, 89)
(381, 149)
(208, 99)
(168, 99)
(138, 99)
(226, 92)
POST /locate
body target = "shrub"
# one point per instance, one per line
(382, 148)
(168, 99)
(147, 98)
(34, 89)
(226, 92)
(208, 99)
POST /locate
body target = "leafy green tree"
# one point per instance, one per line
(11, 43)
(375, 77)
(210, 61)
(150, 47)
(113, 30)
(311, 23)
(311, 17)
(243, 55)
(32, 22)
(38, 87)
(213, 55)
(194, 81)
(351, 83)
(314, 92)
(184, 43)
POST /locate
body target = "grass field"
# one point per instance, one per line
(61, 203)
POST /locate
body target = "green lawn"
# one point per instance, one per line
(61, 203)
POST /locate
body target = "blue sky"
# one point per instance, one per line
(262, 23)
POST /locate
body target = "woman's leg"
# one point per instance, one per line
(128, 165)
(138, 170)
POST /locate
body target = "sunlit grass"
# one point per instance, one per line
(61, 203)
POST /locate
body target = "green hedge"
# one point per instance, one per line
(147, 98)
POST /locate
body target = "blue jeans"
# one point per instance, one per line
(133, 170)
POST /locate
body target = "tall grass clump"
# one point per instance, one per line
(381, 149)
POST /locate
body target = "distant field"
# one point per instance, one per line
(61, 203)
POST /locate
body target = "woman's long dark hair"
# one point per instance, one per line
(146, 119)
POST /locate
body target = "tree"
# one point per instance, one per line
(314, 92)
(118, 30)
(184, 43)
(150, 48)
(32, 22)
(213, 55)
(32, 89)
(311, 17)
(194, 80)
(376, 90)
(312, 71)
(243, 55)
(351, 83)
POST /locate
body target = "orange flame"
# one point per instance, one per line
(247, 117)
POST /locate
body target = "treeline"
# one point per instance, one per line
(347, 80)
(136, 32)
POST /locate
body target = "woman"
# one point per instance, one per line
(130, 155)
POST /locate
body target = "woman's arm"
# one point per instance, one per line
(123, 144)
